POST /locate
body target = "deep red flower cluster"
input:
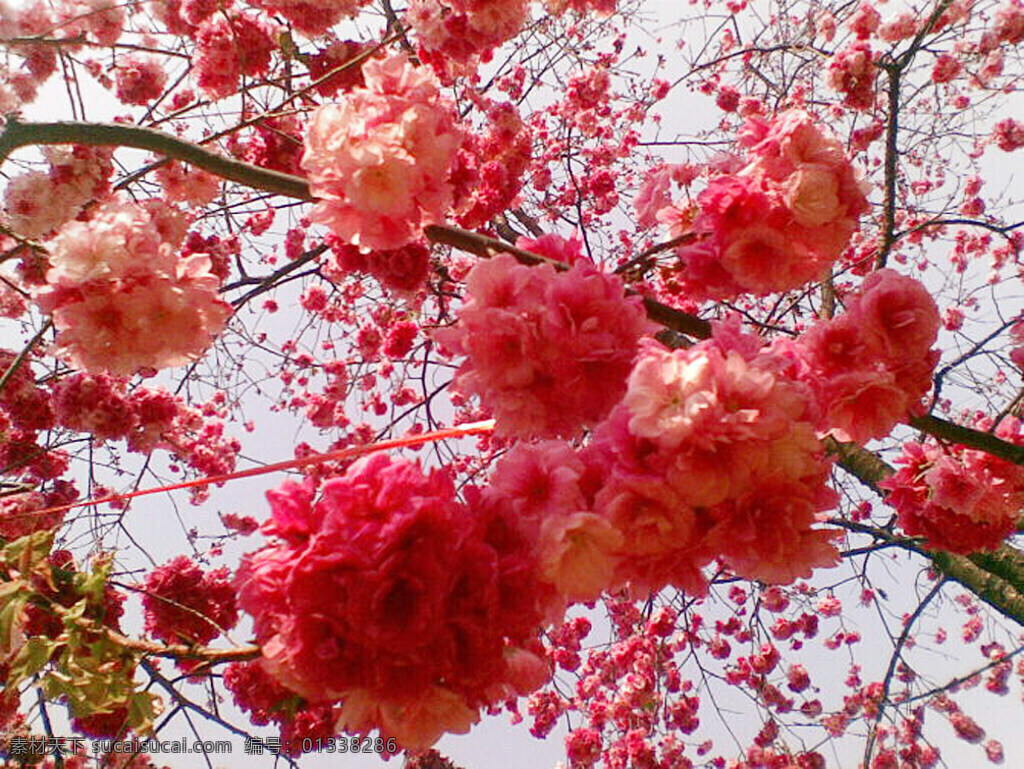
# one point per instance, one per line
(184, 604)
(387, 594)
(402, 269)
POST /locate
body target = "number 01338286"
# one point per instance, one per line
(349, 745)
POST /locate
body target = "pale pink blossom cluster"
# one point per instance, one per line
(873, 364)
(120, 297)
(958, 499)
(101, 21)
(654, 194)
(37, 202)
(312, 17)
(1009, 22)
(602, 7)
(710, 454)
(434, 611)
(781, 220)
(20, 82)
(865, 21)
(184, 183)
(379, 161)
(904, 25)
(548, 352)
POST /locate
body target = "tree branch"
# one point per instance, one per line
(16, 134)
(481, 245)
(975, 439)
(181, 651)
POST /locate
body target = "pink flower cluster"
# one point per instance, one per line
(779, 221)
(459, 32)
(852, 72)
(98, 20)
(229, 45)
(388, 594)
(183, 183)
(1009, 134)
(102, 406)
(139, 80)
(22, 514)
(147, 418)
(38, 202)
(120, 297)
(547, 490)
(379, 161)
(872, 365)
(712, 454)
(184, 604)
(265, 699)
(958, 499)
(602, 7)
(1017, 352)
(309, 17)
(489, 168)
(403, 269)
(548, 352)
(25, 412)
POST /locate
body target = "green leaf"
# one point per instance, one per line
(143, 708)
(26, 553)
(10, 624)
(31, 658)
(93, 583)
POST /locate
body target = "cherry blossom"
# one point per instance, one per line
(548, 352)
(379, 161)
(120, 297)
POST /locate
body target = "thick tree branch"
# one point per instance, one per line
(975, 439)
(16, 134)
